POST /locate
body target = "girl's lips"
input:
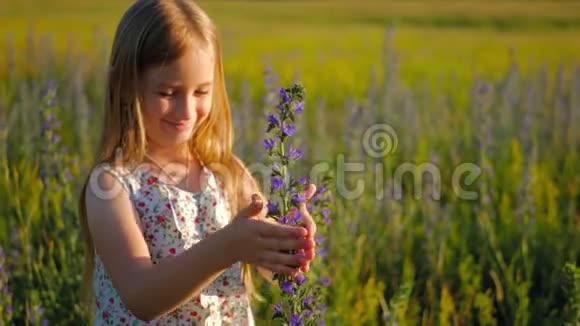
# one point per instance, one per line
(179, 125)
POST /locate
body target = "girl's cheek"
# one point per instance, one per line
(204, 112)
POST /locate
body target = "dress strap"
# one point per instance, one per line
(122, 174)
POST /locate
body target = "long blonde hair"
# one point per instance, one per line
(151, 33)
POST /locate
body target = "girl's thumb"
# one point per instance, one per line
(254, 208)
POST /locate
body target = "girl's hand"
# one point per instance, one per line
(259, 242)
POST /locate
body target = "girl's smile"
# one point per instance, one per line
(180, 126)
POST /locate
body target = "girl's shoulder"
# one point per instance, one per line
(107, 179)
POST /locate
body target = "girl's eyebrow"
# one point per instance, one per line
(177, 84)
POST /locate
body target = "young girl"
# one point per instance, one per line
(171, 218)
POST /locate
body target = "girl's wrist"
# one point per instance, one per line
(228, 244)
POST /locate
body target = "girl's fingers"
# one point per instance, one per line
(278, 258)
(308, 220)
(309, 254)
(310, 191)
(277, 230)
(286, 244)
(254, 209)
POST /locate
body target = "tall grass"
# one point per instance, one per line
(506, 257)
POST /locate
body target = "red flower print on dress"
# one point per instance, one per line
(152, 180)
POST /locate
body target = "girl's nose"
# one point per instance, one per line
(185, 108)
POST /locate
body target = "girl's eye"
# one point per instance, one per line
(201, 92)
(166, 94)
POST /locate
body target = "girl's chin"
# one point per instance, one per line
(174, 139)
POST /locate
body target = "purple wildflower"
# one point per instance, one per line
(321, 189)
(44, 128)
(36, 312)
(302, 180)
(319, 239)
(283, 219)
(51, 117)
(387, 316)
(276, 183)
(296, 218)
(310, 208)
(327, 221)
(55, 139)
(68, 175)
(299, 107)
(285, 96)
(295, 319)
(294, 153)
(4, 278)
(325, 212)
(276, 168)
(298, 198)
(307, 313)
(307, 300)
(49, 86)
(324, 281)
(300, 279)
(269, 143)
(321, 252)
(273, 206)
(286, 286)
(288, 129)
(278, 307)
(272, 119)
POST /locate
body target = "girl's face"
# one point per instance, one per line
(177, 98)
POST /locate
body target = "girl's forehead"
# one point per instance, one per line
(195, 66)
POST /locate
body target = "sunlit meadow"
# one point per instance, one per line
(491, 87)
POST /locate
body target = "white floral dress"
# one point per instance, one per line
(173, 220)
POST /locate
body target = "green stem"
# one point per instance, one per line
(283, 191)
(284, 176)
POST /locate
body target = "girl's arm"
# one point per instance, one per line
(149, 290)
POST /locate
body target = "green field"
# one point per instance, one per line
(491, 83)
(434, 40)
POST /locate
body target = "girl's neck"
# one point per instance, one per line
(178, 167)
(169, 155)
